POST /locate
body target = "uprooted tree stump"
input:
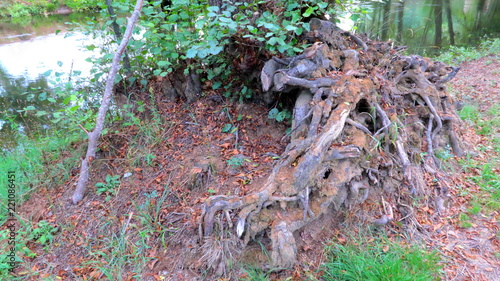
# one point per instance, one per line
(366, 118)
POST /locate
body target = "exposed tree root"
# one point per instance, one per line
(362, 121)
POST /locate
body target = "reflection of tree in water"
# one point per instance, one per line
(428, 25)
(17, 93)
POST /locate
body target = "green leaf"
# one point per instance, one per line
(309, 12)
(191, 53)
(47, 73)
(272, 113)
(281, 116)
(214, 9)
(163, 63)
(41, 113)
(227, 128)
(216, 85)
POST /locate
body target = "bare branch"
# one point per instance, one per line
(103, 109)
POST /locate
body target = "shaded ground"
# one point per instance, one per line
(190, 161)
(470, 251)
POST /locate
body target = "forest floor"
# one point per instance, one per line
(213, 147)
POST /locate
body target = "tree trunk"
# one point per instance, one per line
(438, 23)
(450, 22)
(93, 136)
(401, 10)
(386, 20)
(118, 34)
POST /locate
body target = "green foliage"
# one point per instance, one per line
(444, 153)
(380, 260)
(457, 54)
(149, 214)
(109, 186)
(236, 161)
(465, 220)
(280, 116)
(486, 123)
(256, 274)
(44, 232)
(17, 9)
(470, 113)
(120, 253)
(168, 38)
(82, 5)
(32, 162)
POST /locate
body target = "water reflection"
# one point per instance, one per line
(28, 53)
(429, 25)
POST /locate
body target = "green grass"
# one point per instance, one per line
(42, 161)
(117, 254)
(485, 123)
(380, 259)
(36, 162)
(456, 54)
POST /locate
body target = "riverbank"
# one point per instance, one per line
(83, 240)
(16, 9)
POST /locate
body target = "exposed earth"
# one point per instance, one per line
(191, 161)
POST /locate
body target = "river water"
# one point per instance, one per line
(30, 50)
(34, 57)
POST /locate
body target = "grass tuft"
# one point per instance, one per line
(380, 260)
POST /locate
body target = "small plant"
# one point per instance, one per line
(255, 274)
(444, 153)
(235, 161)
(278, 115)
(380, 260)
(465, 220)
(44, 232)
(109, 186)
(228, 128)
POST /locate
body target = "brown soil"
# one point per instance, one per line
(191, 162)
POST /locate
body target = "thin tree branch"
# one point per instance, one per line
(103, 109)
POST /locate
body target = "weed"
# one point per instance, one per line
(380, 259)
(235, 161)
(116, 255)
(149, 214)
(280, 116)
(465, 220)
(44, 232)
(256, 274)
(34, 164)
(109, 186)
